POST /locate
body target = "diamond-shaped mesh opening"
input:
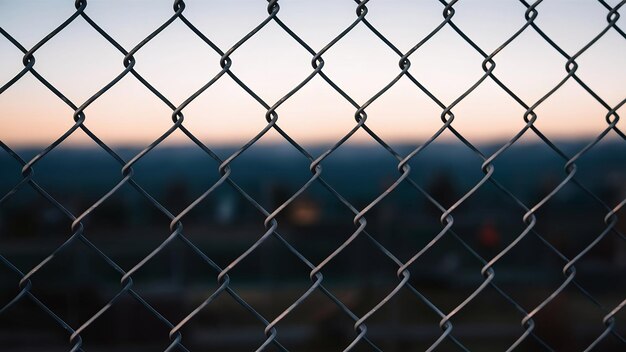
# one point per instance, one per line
(446, 179)
(170, 61)
(369, 272)
(370, 163)
(360, 51)
(255, 63)
(225, 115)
(446, 53)
(403, 235)
(526, 77)
(165, 174)
(257, 171)
(306, 115)
(403, 116)
(315, 223)
(55, 63)
(489, 229)
(525, 281)
(587, 116)
(584, 223)
(455, 276)
(173, 279)
(287, 277)
(529, 168)
(479, 116)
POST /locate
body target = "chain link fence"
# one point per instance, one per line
(439, 332)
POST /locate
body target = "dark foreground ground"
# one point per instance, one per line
(77, 283)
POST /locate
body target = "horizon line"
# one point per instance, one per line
(495, 142)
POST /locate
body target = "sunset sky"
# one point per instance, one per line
(78, 61)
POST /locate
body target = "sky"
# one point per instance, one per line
(78, 61)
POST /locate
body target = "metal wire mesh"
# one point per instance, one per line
(272, 227)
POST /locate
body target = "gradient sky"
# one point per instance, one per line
(79, 62)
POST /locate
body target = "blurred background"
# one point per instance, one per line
(126, 227)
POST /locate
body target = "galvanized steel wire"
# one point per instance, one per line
(527, 212)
